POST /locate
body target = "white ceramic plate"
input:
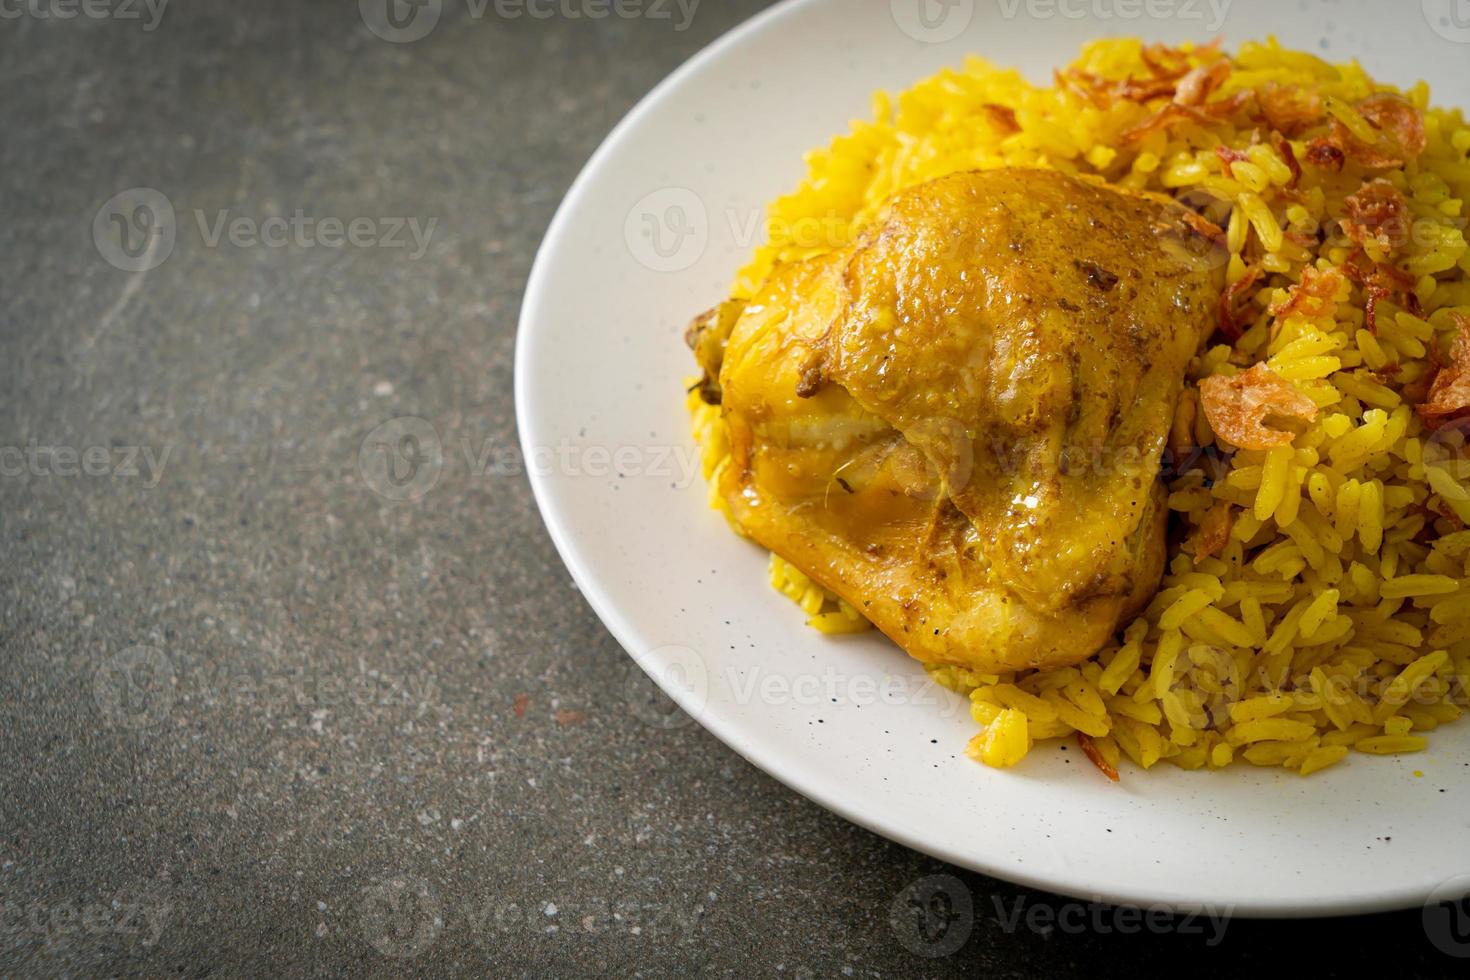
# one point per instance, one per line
(653, 231)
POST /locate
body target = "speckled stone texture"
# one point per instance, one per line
(258, 719)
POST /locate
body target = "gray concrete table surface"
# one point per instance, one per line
(257, 719)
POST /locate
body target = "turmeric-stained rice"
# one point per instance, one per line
(1319, 600)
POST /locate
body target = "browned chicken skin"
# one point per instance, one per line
(957, 422)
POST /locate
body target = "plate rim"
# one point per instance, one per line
(724, 728)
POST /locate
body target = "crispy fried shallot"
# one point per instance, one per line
(1163, 119)
(1002, 118)
(1104, 92)
(1378, 212)
(1314, 296)
(1449, 394)
(1283, 149)
(1188, 89)
(1166, 62)
(1214, 530)
(1400, 139)
(1237, 407)
(1230, 316)
(1095, 756)
(1324, 154)
(1289, 111)
(1204, 114)
(1196, 87)
(1229, 157)
(1380, 281)
(1399, 121)
(1170, 77)
(1416, 392)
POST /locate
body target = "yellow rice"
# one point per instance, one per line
(1337, 617)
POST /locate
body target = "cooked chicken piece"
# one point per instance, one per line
(957, 422)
